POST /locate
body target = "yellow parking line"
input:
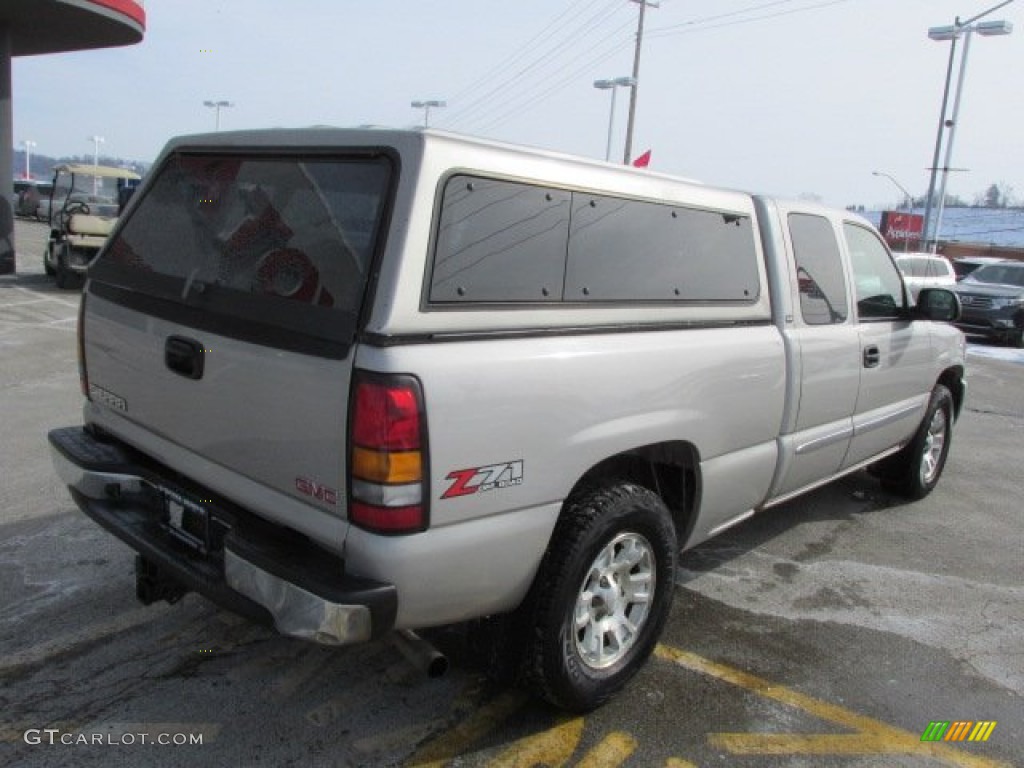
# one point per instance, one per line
(612, 751)
(299, 672)
(90, 633)
(871, 737)
(462, 737)
(552, 748)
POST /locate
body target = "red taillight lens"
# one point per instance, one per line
(387, 519)
(387, 479)
(387, 417)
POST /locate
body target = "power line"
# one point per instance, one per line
(530, 99)
(707, 19)
(696, 25)
(504, 64)
(549, 55)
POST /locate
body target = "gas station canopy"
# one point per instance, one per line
(52, 26)
(32, 27)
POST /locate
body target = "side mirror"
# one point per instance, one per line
(938, 304)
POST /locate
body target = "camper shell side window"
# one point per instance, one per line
(509, 242)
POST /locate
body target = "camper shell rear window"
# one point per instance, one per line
(271, 247)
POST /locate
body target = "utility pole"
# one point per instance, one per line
(636, 76)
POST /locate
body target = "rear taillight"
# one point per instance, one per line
(83, 376)
(387, 454)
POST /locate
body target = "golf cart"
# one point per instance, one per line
(83, 207)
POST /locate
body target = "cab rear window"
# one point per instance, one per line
(279, 241)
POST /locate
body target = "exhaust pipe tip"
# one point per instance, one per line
(420, 653)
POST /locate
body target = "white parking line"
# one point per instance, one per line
(47, 297)
(21, 303)
(64, 324)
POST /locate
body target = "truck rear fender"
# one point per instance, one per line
(670, 469)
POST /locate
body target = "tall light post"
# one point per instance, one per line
(952, 34)
(426, 106)
(908, 201)
(96, 141)
(613, 85)
(28, 144)
(626, 155)
(217, 106)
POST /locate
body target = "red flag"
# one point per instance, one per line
(644, 160)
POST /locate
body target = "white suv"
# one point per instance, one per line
(925, 270)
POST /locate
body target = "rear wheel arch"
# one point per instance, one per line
(671, 470)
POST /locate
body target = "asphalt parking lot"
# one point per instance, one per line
(829, 632)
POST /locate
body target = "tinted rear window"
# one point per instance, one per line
(276, 240)
(999, 274)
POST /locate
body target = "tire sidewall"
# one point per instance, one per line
(941, 399)
(61, 268)
(585, 686)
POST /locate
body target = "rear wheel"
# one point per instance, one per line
(601, 597)
(914, 471)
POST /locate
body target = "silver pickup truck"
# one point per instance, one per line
(359, 381)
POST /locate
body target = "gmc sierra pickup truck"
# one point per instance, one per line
(359, 381)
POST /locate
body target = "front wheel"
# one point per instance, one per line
(601, 597)
(48, 261)
(914, 471)
(65, 277)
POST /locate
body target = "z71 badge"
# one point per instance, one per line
(480, 479)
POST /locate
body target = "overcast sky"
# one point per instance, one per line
(791, 97)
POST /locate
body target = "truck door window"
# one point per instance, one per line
(819, 270)
(878, 282)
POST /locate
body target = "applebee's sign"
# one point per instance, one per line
(900, 227)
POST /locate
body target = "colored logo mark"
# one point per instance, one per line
(958, 730)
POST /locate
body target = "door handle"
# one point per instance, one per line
(872, 357)
(184, 356)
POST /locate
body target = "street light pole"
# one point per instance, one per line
(926, 229)
(425, 106)
(952, 33)
(613, 85)
(949, 139)
(28, 153)
(96, 141)
(636, 76)
(216, 106)
(908, 201)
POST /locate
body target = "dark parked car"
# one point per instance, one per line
(992, 298)
(28, 194)
(964, 266)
